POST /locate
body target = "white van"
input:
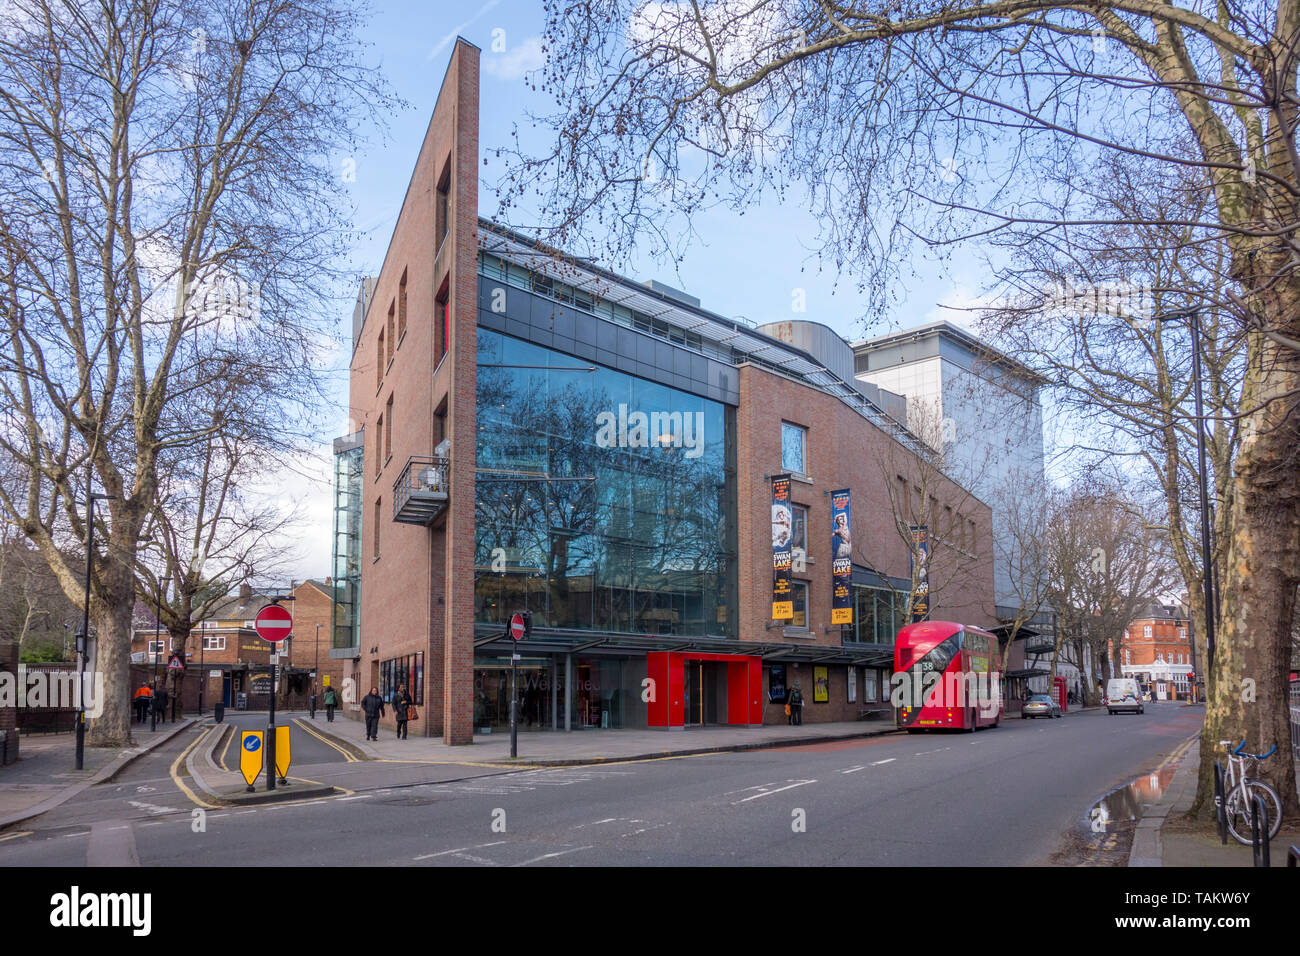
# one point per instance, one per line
(1123, 694)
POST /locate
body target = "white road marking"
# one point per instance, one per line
(645, 829)
(767, 793)
(853, 769)
(459, 849)
(475, 859)
(596, 823)
(886, 760)
(547, 856)
(152, 808)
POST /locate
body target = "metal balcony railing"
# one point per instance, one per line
(420, 491)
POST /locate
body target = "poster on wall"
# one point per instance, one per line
(853, 685)
(782, 538)
(920, 572)
(776, 683)
(821, 685)
(841, 558)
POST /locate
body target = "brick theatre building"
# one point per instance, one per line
(534, 432)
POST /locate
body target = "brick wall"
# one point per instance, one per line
(8, 714)
(405, 606)
(843, 450)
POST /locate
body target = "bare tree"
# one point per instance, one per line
(924, 492)
(166, 200)
(208, 532)
(1105, 562)
(950, 122)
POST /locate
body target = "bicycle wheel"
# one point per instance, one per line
(1238, 811)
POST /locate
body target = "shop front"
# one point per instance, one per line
(692, 689)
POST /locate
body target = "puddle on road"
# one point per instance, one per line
(1127, 803)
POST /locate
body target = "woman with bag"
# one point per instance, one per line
(401, 707)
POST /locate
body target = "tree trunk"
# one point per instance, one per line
(114, 619)
(1248, 698)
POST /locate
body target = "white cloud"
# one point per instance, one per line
(513, 64)
(461, 29)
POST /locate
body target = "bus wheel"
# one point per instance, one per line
(974, 715)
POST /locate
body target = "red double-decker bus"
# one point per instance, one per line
(946, 677)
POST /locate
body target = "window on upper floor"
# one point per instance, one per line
(1146, 631)
(799, 593)
(442, 207)
(379, 362)
(401, 307)
(379, 451)
(388, 430)
(442, 322)
(392, 332)
(794, 450)
(379, 514)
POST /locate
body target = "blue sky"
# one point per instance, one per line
(413, 41)
(748, 266)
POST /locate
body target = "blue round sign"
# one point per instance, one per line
(252, 744)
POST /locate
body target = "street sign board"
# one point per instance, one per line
(517, 627)
(176, 664)
(282, 750)
(250, 755)
(273, 623)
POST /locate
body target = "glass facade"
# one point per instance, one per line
(603, 501)
(349, 466)
(878, 614)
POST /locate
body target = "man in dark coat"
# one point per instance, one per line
(159, 705)
(373, 705)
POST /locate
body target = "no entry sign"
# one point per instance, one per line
(273, 623)
(518, 627)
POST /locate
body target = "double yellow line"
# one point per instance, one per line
(347, 755)
(181, 784)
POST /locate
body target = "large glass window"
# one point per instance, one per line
(877, 615)
(349, 462)
(799, 536)
(799, 590)
(603, 501)
(793, 451)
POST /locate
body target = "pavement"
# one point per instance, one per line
(43, 778)
(560, 749)
(1156, 843)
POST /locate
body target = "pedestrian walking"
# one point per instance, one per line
(331, 701)
(400, 708)
(796, 705)
(373, 707)
(143, 702)
(159, 706)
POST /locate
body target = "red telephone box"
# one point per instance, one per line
(1058, 690)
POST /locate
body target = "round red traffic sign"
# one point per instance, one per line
(273, 623)
(517, 627)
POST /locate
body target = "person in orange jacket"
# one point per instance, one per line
(143, 700)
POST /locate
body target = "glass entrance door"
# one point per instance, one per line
(694, 693)
(705, 687)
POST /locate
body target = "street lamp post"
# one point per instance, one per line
(83, 641)
(1207, 563)
(316, 683)
(157, 650)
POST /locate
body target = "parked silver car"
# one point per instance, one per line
(1040, 705)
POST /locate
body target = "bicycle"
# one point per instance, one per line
(1239, 791)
